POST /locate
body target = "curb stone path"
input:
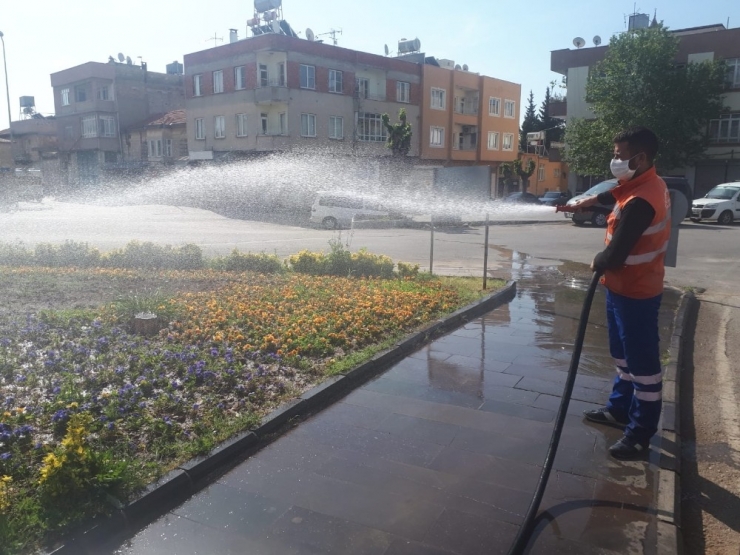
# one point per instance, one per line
(194, 475)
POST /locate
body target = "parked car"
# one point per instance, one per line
(335, 210)
(554, 198)
(521, 198)
(721, 205)
(598, 213)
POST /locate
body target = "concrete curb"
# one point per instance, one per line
(668, 505)
(199, 472)
(406, 224)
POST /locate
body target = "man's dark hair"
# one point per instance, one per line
(640, 139)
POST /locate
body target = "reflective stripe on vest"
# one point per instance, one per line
(635, 259)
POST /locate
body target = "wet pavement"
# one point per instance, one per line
(441, 453)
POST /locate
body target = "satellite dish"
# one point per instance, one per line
(386, 49)
(457, 66)
(597, 40)
(310, 35)
(465, 67)
(128, 60)
(276, 27)
(120, 57)
(578, 42)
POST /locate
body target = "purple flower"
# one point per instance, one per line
(5, 456)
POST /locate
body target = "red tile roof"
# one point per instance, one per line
(175, 117)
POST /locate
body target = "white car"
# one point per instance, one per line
(721, 205)
(332, 210)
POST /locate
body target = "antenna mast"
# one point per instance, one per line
(333, 33)
(215, 38)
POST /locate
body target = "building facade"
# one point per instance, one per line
(160, 140)
(712, 42)
(96, 103)
(468, 118)
(275, 92)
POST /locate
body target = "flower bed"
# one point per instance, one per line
(90, 412)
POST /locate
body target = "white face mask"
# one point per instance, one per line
(621, 168)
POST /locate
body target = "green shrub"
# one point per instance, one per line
(307, 262)
(239, 262)
(79, 255)
(365, 264)
(410, 271)
(15, 255)
(150, 256)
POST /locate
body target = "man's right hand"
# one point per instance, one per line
(582, 204)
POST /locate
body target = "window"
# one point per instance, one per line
(264, 76)
(509, 108)
(108, 126)
(105, 93)
(403, 91)
(158, 144)
(556, 173)
(437, 136)
(80, 93)
(69, 131)
(362, 86)
(493, 140)
(219, 127)
(541, 173)
(508, 141)
(370, 127)
(168, 148)
(308, 125)
(197, 85)
(733, 72)
(281, 74)
(494, 106)
(90, 126)
(263, 123)
(241, 125)
(308, 77)
(726, 129)
(218, 81)
(240, 78)
(65, 97)
(336, 127)
(439, 99)
(200, 129)
(335, 81)
(283, 120)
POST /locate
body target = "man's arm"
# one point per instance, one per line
(636, 217)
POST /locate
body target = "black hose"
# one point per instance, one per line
(522, 539)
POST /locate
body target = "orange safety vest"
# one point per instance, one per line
(641, 276)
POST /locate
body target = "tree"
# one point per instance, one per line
(399, 134)
(553, 127)
(639, 83)
(531, 123)
(524, 172)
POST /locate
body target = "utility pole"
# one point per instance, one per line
(7, 92)
(333, 33)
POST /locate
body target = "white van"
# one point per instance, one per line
(332, 210)
(721, 205)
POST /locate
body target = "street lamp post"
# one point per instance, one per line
(7, 91)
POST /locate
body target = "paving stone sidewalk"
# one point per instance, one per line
(440, 454)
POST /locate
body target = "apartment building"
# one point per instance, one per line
(96, 104)
(696, 44)
(467, 118)
(275, 92)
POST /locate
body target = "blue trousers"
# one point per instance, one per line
(634, 344)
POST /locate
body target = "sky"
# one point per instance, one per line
(506, 40)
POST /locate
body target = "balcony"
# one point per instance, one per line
(378, 97)
(272, 94)
(558, 108)
(466, 107)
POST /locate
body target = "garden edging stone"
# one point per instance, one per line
(199, 472)
(668, 445)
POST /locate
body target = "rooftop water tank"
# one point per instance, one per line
(27, 102)
(406, 46)
(266, 5)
